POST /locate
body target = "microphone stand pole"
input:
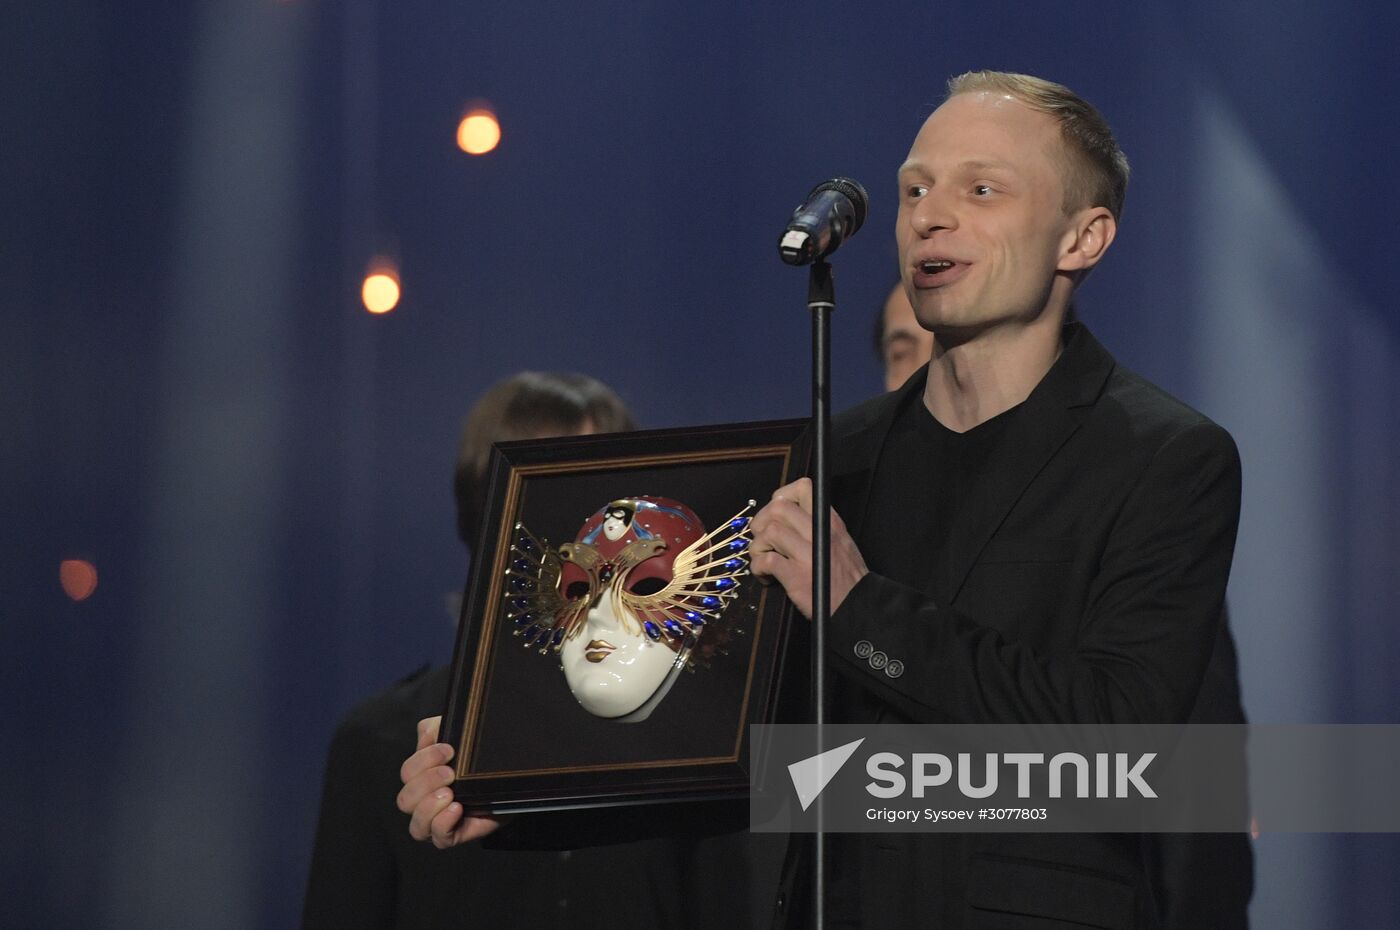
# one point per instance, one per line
(821, 301)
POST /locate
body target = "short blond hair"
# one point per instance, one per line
(1096, 172)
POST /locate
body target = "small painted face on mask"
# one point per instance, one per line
(616, 522)
(625, 605)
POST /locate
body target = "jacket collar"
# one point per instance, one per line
(1046, 420)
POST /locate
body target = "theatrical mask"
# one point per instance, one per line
(625, 605)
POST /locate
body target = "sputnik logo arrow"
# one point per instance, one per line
(814, 773)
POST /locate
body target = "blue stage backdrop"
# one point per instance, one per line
(194, 402)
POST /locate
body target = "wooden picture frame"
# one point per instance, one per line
(524, 736)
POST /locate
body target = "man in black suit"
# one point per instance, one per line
(1197, 879)
(1031, 533)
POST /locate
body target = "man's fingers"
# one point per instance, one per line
(427, 794)
(425, 813)
(778, 534)
(782, 547)
(782, 542)
(423, 784)
(445, 825)
(424, 759)
(838, 526)
(428, 731)
(798, 492)
(781, 516)
(795, 577)
(477, 827)
(784, 570)
(452, 827)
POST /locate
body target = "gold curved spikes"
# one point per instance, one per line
(693, 578)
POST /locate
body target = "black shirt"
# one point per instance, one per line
(925, 472)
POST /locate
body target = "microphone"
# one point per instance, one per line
(830, 215)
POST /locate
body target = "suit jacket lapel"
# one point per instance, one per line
(856, 448)
(1047, 419)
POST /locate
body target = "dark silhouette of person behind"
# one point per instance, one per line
(367, 872)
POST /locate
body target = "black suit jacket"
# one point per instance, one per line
(1083, 582)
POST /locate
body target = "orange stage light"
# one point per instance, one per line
(479, 132)
(380, 292)
(78, 578)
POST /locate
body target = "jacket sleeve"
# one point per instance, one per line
(1151, 611)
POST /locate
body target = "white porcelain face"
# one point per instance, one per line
(611, 669)
(615, 524)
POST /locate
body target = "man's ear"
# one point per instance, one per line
(1087, 239)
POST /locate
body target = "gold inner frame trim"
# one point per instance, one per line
(487, 635)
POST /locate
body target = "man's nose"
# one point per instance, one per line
(933, 212)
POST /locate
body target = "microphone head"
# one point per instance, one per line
(854, 192)
(830, 214)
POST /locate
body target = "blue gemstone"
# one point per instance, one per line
(674, 628)
(724, 584)
(527, 544)
(652, 629)
(521, 565)
(709, 602)
(524, 620)
(558, 636)
(733, 565)
(530, 633)
(695, 619)
(520, 603)
(739, 523)
(738, 545)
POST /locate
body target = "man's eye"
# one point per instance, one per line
(647, 586)
(576, 590)
(981, 190)
(915, 191)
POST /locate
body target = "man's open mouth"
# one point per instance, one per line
(934, 272)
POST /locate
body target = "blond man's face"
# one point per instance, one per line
(981, 226)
